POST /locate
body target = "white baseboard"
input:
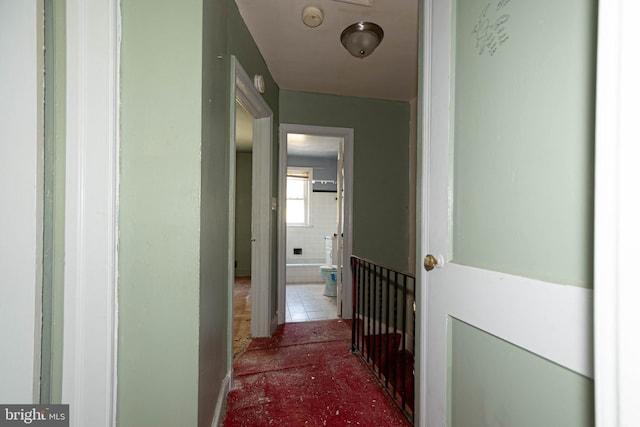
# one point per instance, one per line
(225, 387)
(242, 272)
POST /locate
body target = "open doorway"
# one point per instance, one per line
(250, 113)
(314, 222)
(243, 238)
(312, 213)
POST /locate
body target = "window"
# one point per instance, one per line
(298, 189)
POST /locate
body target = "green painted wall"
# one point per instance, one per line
(381, 167)
(54, 200)
(174, 206)
(494, 383)
(214, 211)
(160, 197)
(243, 214)
(224, 34)
(524, 139)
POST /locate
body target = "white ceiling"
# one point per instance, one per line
(313, 59)
(312, 145)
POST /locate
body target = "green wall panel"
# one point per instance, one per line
(381, 167)
(159, 222)
(524, 137)
(243, 214)
(54, 201)
(495, 383)
(214, 209)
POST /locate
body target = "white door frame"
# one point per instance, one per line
(617, 232)
(347, 135)
(90, 304)
(340, 229)
(244, 92)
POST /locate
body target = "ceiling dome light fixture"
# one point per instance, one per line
(361, 38)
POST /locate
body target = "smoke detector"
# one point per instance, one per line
(312, 16)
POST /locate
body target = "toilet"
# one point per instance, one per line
(329, 271)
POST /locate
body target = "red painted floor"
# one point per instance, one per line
(305, 376)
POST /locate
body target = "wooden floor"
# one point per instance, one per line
(241, 315)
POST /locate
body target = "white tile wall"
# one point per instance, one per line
(323, 219)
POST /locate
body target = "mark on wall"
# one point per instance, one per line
(490, 31)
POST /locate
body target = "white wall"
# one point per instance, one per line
(413, 158)
(323, 219)
(21, 86)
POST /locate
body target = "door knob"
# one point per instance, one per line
(430, 262)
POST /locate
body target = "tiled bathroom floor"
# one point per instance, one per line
(305, 302)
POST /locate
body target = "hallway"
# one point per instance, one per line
(305, 375)
(305, 302)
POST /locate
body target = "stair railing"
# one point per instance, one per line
(383, 328)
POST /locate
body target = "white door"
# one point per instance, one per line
(507, 140)
(339, 230)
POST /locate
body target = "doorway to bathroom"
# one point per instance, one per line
(314, 223)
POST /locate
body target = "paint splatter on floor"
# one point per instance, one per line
(305, 376)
